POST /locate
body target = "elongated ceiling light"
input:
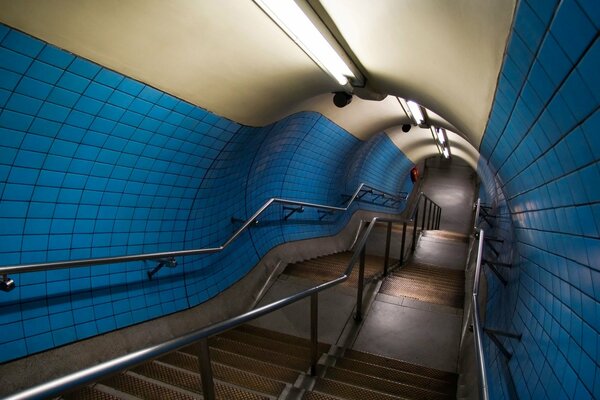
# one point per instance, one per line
(301, 30)
(416, 112)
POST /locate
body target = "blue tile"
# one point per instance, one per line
(22, 43)
(84, 68)
(12, 61)
(54, 56)
(130, 86)
(33, 88)
(572, 41)
(54, 112)
(44, 72)
(109, 78)
(88, 105)
(73, 82)
(63, 97)
(15, 120)
(150, 94)
(64, 336)
(23, 104)
(8, 79)
(98, 91)
(554, 60)
(39, 343)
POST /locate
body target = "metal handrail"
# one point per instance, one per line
(6, 270)
(477, 329)
(96, 372)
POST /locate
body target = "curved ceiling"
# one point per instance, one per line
(230, 58)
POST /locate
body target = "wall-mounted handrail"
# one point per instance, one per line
(96, 372)
(477, 328)
(6, 270)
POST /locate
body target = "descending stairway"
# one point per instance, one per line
(253, 363)
(361, 376)
(328, 267)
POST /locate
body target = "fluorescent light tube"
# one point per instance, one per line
(446, 153)
(440, 136)
(301, 30)
(415, 110)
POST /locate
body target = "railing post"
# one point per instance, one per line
(424, 213)
(314, 332)
(361, 283)
(439, 218)
(386, 260)
(431, 207)
(208, 386)
(403, 243)
(416, 221)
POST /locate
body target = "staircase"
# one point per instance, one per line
(254, 364)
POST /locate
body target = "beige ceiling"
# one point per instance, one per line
(229, 57)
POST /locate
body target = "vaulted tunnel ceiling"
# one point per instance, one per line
(230, 58)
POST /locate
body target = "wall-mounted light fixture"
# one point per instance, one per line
(416, 112)
(294, 21)
(440, 138)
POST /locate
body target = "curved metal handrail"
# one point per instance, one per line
(12, 269)
(96, 372)
(477, 329)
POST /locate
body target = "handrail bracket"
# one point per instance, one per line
(160, 263)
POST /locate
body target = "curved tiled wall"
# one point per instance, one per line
(95, 164)
(543, 146)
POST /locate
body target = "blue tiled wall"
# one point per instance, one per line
(94, 164)
(542, 144)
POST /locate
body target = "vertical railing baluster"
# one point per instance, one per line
(403, 243)
(424, 213)
(208, 385)
(386, 260)
(314, 332)
(361, 282)
(414, 234)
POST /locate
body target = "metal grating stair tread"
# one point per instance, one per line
(325, 268)
(392, 363)
(383, 385)
(285, 360)
(224, 373)
(350, 392)
(280, 337)
(429, 284)
(396, 375)
(143, 388)
(266, 343)
(89, 393)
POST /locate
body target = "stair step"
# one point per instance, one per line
(273, 357)
(392, 363)
(320, 396)
(89, 393)
(143, 388)
(249, 364)
(382, 385)
(395, 375)
(280, 337)
(423, 292)
(267, 343)
(223, 373)
(348, 391)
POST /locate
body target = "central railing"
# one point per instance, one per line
(430, 220)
